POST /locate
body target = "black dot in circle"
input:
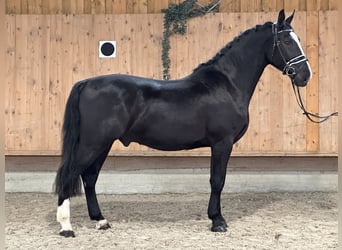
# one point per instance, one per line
(107, 49)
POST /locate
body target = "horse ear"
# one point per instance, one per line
(281, 17)
(289, 19)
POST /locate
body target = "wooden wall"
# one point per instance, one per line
(46, 54)
(155, 6)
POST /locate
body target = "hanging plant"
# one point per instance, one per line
(175, 22)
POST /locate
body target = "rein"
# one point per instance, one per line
(312, 117)
(291, 72)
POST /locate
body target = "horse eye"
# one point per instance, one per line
(287, 41)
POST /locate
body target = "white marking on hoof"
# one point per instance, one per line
(63, 216)
(102, 224)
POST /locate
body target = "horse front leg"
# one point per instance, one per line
(220, 154)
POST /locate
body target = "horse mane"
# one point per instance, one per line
(230, 45)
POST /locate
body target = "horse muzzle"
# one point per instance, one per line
(300, 74)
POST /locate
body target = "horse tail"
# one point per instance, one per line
(68, 182)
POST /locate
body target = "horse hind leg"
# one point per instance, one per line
(65, 191)
(89, 178)
(69, 184)
(63, 217)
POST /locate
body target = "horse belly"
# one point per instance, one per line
(167, 135)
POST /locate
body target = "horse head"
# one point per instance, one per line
(287, 53)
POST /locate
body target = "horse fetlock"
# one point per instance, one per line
(102, 225)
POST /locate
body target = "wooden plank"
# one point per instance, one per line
(280, 4)
(55, 104)
(250, 5)
(312, 5)
(34, 131)
(44, 47)
(328, 82)
(136, 6)
(66, 6)
(76, 7)
(197, 48)
(123, 25)
(174, 1)
(77, 48)
(229, 6)
(116, 6)
(24, 7)
(88, 7)
(276, 82)
(13, 6)
(268, 6)
(324, 5)
(290, 5)
(301, 5)
(312, 89)
(153, 51)
(10, 81)
(99, 7)
(333, 4)
(20, 117)
(45, 7)
(34, 7)
(52, 6)
(154, 6)
(129, 6)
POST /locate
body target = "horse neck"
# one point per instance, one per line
(245, 61)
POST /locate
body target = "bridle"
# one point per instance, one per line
(288, 68)
(290, 71)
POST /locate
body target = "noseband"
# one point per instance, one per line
(288, 68)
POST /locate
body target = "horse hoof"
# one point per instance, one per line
(219, 226)
(102, 225)
(67, 233)
(219, 229)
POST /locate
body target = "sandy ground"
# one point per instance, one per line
(177, 221)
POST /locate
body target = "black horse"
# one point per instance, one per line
(208, 108)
